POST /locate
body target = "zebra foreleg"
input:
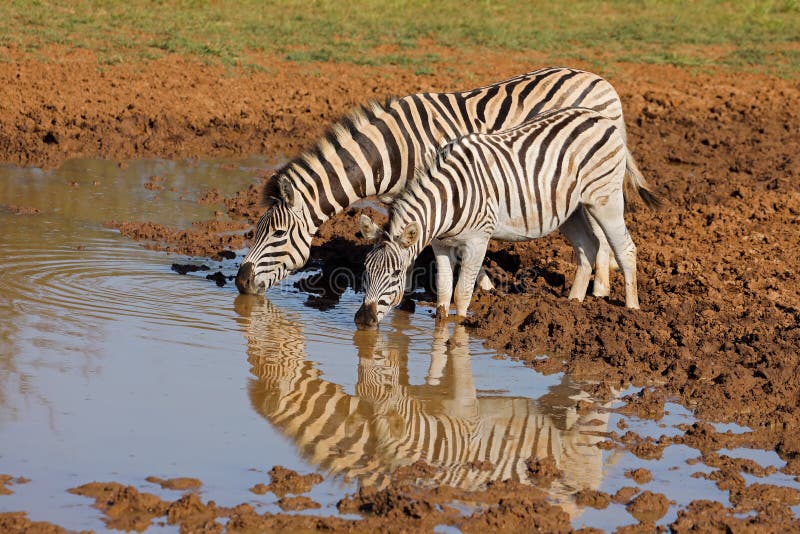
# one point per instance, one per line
(472, 253)
(578, 231)
(444, 278)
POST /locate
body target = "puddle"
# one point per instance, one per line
(114, 368)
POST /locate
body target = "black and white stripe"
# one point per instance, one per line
(375, 150)
(514, 185)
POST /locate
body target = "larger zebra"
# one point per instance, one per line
(375, 150)
(514, 185)
(470, 438)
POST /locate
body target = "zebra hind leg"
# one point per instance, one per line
(484, 282)
(602, 284)
(577, 230)
(608, 211)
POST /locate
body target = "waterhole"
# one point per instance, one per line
(114, 368)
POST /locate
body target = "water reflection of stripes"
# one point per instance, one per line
(390, 423)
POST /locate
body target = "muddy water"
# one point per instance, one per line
(113, 367)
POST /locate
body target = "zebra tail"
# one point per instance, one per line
(634, 179)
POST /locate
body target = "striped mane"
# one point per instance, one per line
(347, 127)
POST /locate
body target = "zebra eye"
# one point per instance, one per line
(396, 274)
(279, 233)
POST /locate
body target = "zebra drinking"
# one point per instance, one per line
(514, 185)
(374, 151)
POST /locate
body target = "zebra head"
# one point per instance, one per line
(386, 270)
(282, 242)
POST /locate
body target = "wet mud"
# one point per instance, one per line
(719, 328)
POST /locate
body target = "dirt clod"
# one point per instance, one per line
(543, 470)
(300, 502)
(283, 481)
(594, 498)
(648, 506)
(640, 476)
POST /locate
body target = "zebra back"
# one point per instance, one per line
(530, 178)
(375, 149)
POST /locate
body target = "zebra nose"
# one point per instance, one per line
(367, 316)
(245, 280)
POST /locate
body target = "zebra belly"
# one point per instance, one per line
(516, 230)
(526, 228)
(461, 239)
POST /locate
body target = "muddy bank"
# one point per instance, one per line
(69, 106)
(407, 507)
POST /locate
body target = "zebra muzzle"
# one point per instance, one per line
(367, 316)
(246, 280)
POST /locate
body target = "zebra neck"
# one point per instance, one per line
(427, 214)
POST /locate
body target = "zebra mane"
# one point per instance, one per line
(347, 126)
(421, 170)
(351, 123)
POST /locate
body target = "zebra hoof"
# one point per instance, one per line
(486, 284)
(441, 314)
(600, 290)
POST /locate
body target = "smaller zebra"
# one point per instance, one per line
(515, 185)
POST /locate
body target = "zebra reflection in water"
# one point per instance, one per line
(471, 438)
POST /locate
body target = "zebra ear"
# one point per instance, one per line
(278, 189)
(410, 234)
(369, 230)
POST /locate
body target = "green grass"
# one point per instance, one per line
(763, 34)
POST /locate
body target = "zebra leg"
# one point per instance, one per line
(484, 282)
(609, 214)
(602, 284)
(578, 231)
(473, 252)
(444, 278)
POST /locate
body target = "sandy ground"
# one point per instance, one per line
(719, 328)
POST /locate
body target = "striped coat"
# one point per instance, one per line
(514, 185)
(375, 150)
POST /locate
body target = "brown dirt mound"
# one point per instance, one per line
(19, 522)
(640, 476)
(648, 506)
(125, 508)
(283, 481)
(710, 516)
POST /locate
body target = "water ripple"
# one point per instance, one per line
(105, 280)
